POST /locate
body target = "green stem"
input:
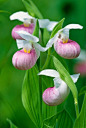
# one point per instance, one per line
(77, 109)
(41, 40)
(47, 60)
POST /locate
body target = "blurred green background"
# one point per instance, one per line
(11, 79)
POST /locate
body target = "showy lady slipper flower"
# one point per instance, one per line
(27, 57)
(56, 95)
(28, 23)
(65, 47)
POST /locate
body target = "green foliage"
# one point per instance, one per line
(66, 77)
(36, 30)
(11, 78)
(80, 122)
(30, 95)
(31, 98)
(11, 124)
(32, 9)
(57, 27)
(61, 60)
(82, 91)
(62, 119)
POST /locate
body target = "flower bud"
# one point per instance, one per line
(29, 29)
(68, 50)
(23, 61)
(54, 96)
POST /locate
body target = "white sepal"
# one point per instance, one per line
(43, 23)
(38, 46)
(73, 26)
(57, 81)
(51, 25)
(27, 36)
(66, 29)
(75, 77)
(52, 40)
(20, 16)
(49, 72)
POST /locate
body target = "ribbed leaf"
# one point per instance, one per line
(57, 27)
(32, 9)
(66, 77)
(11, 124)
(29, 8)
(63, 120)
(80, 122)
(30, 95)
(36, 9)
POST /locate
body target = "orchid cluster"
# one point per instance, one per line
(30, 46)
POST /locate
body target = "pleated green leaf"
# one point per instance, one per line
(30, 95)
(11, 124)
(32, 9)
(62, 119)
(66, 77)
(39, 15)
(80, 122)
(57, 27)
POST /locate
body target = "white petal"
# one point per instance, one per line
(66, 29)
(73, 26)
(38, 46)
(21, 43)
(52, 40)
(57, 82)
(51, 25)
(27, 36)
(49, 72)
(37, 51)
(20, 16)
(43, 23)
(75, 77)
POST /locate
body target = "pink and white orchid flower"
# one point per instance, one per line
(27, 57)
(29, 23)
(63, 45)
(56, 95)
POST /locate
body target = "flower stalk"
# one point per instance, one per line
(47, 60)
(77, 109)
